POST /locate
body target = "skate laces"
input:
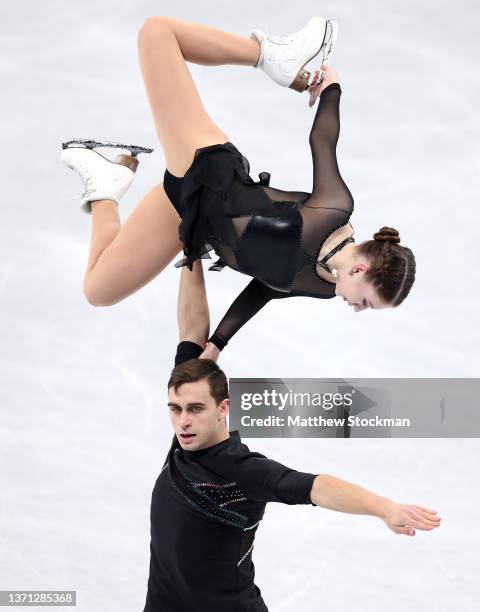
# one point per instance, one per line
(278, 40)
(86, 178)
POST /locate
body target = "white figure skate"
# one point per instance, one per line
(284, 58)
(103, 179)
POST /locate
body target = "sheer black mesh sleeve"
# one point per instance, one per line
(252, 299)
(329, 188)
(330, 204)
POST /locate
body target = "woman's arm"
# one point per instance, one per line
(252, 299)
(329, 189)
(336, 494)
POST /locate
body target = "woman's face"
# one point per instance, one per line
(359, 293)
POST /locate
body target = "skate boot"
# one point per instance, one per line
(102, 178)
(284, 58)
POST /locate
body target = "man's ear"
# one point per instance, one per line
(224, 408)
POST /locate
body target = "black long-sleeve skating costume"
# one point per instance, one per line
(275, 236)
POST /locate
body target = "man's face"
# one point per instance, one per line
(196, 418)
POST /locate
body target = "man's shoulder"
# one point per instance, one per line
(238, 448)
(240, 455)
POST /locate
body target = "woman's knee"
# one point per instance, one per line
(96, 295)
(154, 27)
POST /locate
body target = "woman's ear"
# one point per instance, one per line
(360, 267)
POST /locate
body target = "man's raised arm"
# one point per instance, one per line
(193, 315)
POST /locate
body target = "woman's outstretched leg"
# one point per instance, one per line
(181, 121)
(124, 258)
(208, 46)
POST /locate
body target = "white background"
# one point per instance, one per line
(84, 426)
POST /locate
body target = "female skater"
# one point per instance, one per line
(292, 243)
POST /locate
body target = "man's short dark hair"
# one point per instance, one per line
(194, 370)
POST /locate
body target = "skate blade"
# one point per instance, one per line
(92, 144)
(328, 45)
(331, 39)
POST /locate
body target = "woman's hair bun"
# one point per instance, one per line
(387, 234)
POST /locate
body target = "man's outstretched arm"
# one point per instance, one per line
(336, 494)
(192, 306)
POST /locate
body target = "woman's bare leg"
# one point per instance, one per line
(124, 258)
(208, 46)
(181, 121)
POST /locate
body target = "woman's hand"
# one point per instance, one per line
(211, 352)
(331, 76)
(405, 518)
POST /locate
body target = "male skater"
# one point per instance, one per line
(211, 493)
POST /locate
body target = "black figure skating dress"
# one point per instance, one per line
(275, 236)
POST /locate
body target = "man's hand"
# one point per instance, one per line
(337, 494)
(211, 352)
(331, 76)
(405, 518)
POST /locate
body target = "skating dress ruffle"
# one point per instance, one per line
(206, 189)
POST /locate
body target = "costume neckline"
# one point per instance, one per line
(315, 260)
(323, 262)
(233, 438)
